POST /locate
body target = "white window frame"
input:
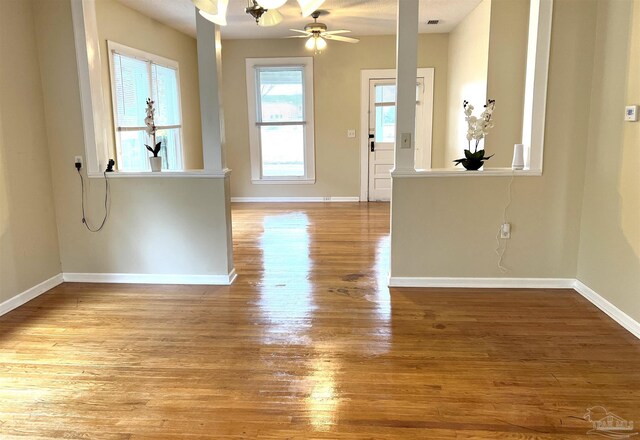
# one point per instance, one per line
(113, 47)
(252, 64)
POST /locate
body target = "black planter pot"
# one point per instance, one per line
(473, 161)
(472, 164)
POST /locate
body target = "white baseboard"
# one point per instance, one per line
(293, 199)
(593, 297)
(493, 283)
(615, 313)
(29, 294)
(137, 278)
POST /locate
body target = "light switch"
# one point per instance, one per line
(405, 140)
(631, 113)
(351, 133)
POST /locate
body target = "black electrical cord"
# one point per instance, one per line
(106, 203)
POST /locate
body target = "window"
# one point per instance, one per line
(280, 97)
(136, 76)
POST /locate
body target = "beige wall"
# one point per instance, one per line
(157, 225)
(28, 237)
(337, 108)
(468, 68)
(123, 25)
(446, 226)
(506, 76)
(609, 257)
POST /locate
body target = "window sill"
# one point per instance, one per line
(283, 182)
(461, 172)
(186, 174)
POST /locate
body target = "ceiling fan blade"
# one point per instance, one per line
(300, 31)
(298, 36)
(340, 38)
(343, 31)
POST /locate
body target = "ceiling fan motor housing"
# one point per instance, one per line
(316, 28)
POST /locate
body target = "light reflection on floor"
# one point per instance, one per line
(301, 287)
(382, 266)
(285, 293)
(324, 400)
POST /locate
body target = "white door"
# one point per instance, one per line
(382, 134)
(382, 137)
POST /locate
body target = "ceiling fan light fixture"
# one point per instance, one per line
(321, 43)
(311, 43)
(309, 6)
(271, 4)
(208, 6)
(270, 18)
(221, 17)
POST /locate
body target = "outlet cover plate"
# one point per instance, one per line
(405, 140)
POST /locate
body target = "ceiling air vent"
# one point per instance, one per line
(433, 21)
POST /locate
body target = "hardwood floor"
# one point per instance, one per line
(309, 343)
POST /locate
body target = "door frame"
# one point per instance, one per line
(366, 75)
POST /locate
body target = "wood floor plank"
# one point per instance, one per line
(309, 343)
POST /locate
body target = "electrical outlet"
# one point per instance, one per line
(351, 133)
(505, 230)
(78, 159)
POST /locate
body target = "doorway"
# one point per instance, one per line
(378, 128)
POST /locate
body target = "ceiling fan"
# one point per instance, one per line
(317, 34)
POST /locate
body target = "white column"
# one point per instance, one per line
(212, 118)
(407, 67)
(210, 79)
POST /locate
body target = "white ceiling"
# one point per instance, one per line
(362, 17)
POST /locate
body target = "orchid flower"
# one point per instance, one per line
(478, 127)
(151, 128)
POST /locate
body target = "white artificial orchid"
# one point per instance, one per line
(478, 127)
(151, 128)
(150, 119)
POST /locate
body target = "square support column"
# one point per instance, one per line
(212, 118)
(407, 66)
(210, 80)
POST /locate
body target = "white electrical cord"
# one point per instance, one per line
(500, 253)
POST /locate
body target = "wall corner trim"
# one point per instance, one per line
(603, 304)
(149, 278)
(232, 276)
(29, 294)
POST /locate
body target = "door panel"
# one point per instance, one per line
(383, 168)
(382, 184)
